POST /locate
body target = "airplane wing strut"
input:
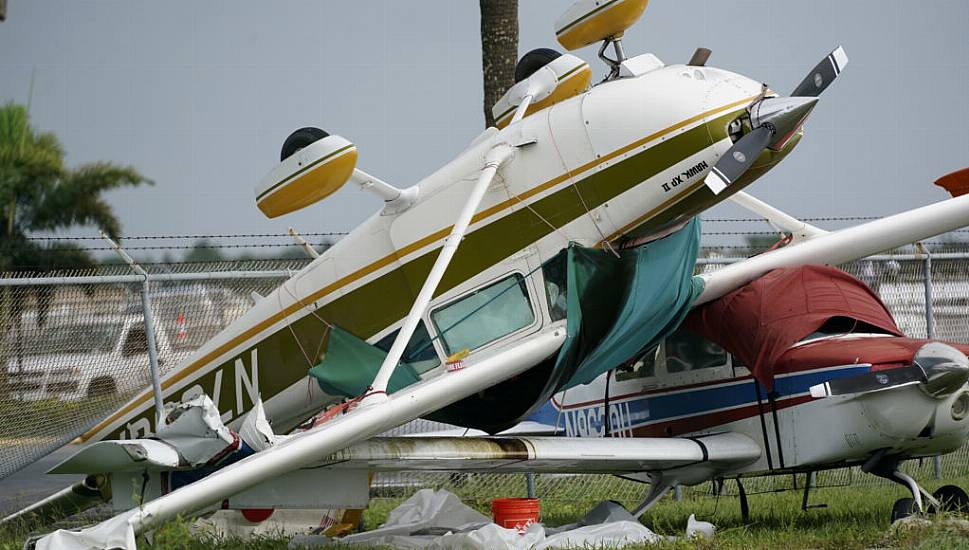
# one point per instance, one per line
(781, 221)
(378, 389)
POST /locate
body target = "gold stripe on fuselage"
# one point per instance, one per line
(398, 255)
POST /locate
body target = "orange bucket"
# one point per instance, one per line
(516, 513)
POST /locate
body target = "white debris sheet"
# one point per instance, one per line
(113, 533)
(438, 519)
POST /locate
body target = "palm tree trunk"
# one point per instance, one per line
(499, 50)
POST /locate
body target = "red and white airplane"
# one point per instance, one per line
(806, 362)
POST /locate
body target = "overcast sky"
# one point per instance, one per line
(199, 95)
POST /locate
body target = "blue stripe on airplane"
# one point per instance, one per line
(675, 403)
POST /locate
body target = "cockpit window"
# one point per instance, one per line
(555, 274)
(485, 315)
(686, 351)
(641, 366)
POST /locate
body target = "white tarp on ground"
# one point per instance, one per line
(113, 533)
(438, 519)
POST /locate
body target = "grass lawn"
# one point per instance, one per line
(855, 517)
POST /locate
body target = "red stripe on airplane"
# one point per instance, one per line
(703, 421)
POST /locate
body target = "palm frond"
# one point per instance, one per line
(76, 199)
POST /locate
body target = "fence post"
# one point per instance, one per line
(152, 353)
(530, 484)
(930, 328)
(927, 281)
(149, 321)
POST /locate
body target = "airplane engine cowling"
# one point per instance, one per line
(307, 176)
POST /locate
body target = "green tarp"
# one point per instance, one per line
(350, 364)
(618, 307)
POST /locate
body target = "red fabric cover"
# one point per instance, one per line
(882, 353)
(759, 321)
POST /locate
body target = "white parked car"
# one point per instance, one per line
(87, 358)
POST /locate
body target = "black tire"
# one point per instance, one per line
(299, 139)
(533, 61)
(101, 386)
(952, 498)
(903, 508)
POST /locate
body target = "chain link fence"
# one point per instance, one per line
(73, 345)
(73, 348)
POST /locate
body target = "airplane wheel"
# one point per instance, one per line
(299, 139)
(952, 498)
(533, 61)
(903, 508)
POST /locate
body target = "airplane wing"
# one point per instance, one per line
(842, 246)
(547, 454)
(709, 453)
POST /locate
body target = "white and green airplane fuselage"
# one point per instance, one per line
(625, 160)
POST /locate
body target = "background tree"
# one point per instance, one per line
(499, 50)
(204, 250)
(38, 193)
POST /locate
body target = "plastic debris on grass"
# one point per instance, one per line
(438, 519)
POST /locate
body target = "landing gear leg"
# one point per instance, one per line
(658, 487)
(886, 467)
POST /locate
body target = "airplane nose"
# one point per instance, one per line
(946, 368)
(784, 115)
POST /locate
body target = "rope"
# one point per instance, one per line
(556, 230)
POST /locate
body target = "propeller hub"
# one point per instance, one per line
(946, 369)
(782, 115)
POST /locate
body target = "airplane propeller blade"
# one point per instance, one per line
(775, 120)
(870, 382)
(738, 159)
(822, 75)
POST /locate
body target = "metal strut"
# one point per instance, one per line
(744, 504)
(613, 64)
(658, 487)
(378, 389)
